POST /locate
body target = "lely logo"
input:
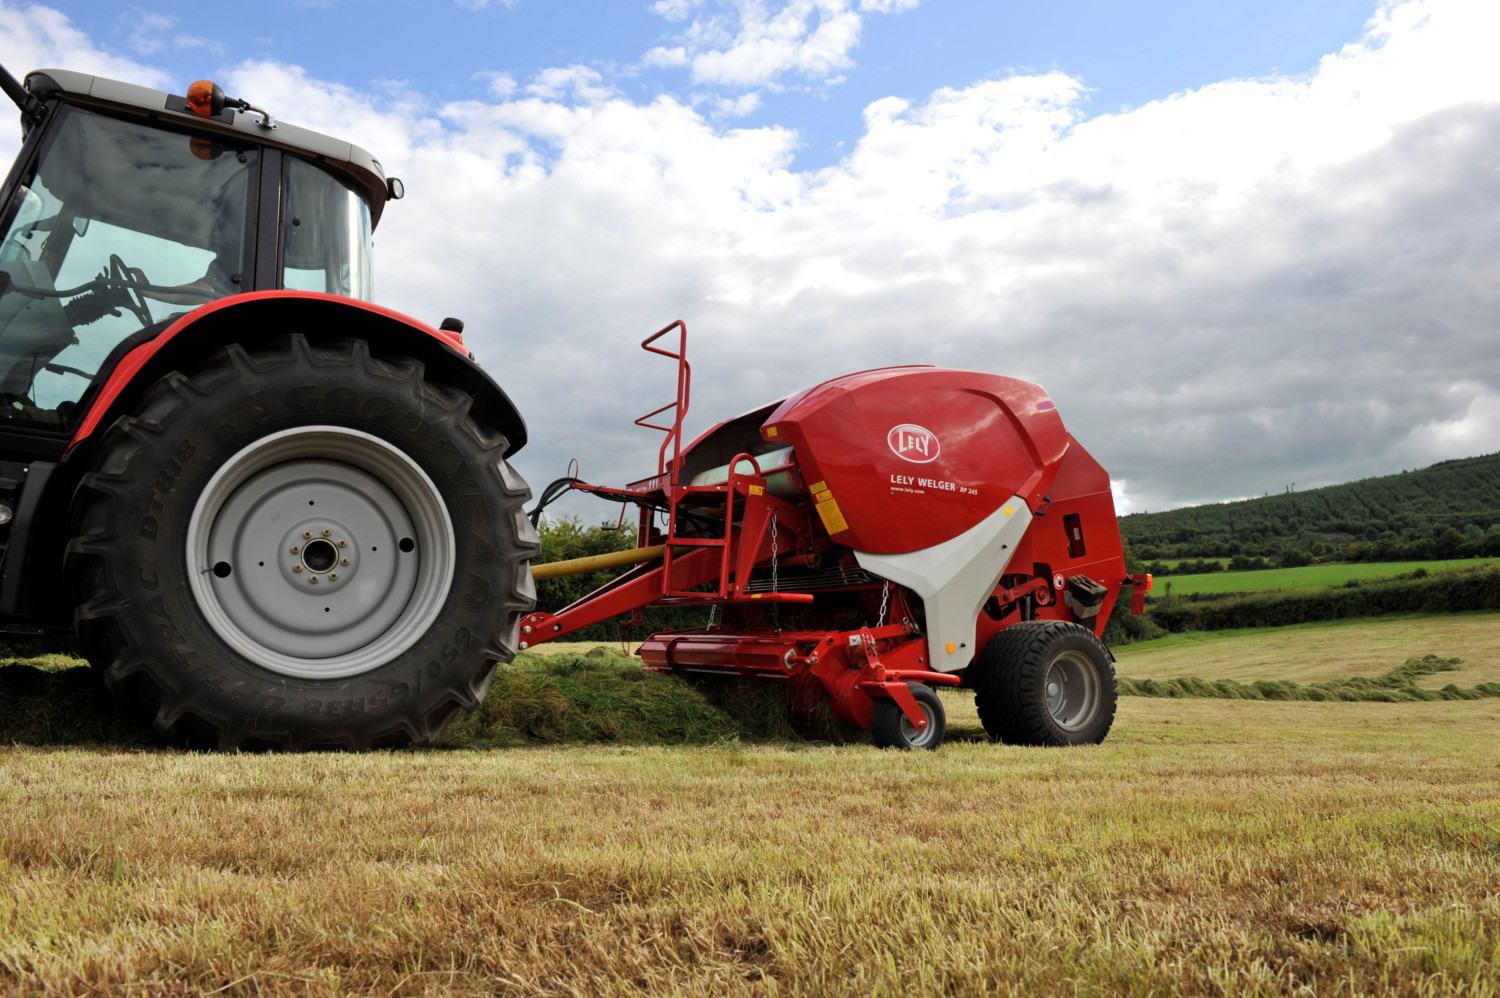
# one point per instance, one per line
(913, 443)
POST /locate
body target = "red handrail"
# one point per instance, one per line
(680, 405)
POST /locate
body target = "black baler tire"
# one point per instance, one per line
(1009, 684)
(141, 626)
(886, 717)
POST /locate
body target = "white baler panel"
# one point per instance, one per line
(954, 579)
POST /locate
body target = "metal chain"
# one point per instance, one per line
(775, 582)
(885, 601)
(773, 553)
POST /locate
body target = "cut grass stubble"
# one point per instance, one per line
(1209, 847)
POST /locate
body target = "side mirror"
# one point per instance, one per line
(395, 190)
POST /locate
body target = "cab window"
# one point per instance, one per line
(326, 241)
(122, 227)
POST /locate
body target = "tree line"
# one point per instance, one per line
(1449, 510)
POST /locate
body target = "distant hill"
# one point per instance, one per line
(1450, 510)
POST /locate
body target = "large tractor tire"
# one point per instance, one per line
(1045, 682)
(300, 547)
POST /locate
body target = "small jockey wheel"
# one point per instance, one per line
(891, 728)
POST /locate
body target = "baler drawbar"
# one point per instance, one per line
(879, 534)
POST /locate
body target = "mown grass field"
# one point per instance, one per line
(1208, 847)
(1319, 652)
(1307, 577)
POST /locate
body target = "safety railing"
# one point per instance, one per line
(678, 406)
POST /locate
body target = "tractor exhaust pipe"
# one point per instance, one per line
(597, 562)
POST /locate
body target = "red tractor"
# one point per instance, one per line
(276, 514)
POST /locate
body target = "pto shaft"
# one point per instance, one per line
(596, 562)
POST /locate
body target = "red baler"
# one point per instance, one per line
(885, 532)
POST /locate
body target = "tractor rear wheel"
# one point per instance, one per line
(890, 727)
(1045, 682)
(300, 547)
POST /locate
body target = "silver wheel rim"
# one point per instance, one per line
(365, 521)
(909, 733)
(1071, 687)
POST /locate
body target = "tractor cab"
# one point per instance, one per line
(130, 207)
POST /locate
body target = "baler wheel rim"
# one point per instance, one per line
(1071, 688)
(890, 727)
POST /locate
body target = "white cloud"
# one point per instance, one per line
(498, 85)
(669, 58)
(1250, 284)
(149, 33)
(754, 42)
(36, 37)
(675, 10)
(145, 29)
(736, 107)
(561, 82)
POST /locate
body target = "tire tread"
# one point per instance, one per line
(105, 612)
(1012, 668)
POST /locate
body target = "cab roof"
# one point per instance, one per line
(345, 157)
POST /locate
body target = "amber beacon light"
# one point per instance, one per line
(206, 98)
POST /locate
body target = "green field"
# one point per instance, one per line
(1208, 847)
(1309, 577)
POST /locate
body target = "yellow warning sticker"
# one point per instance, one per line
(1008, 510)
(757, 490)
(833, 517)
(770, 431)
(817, 487)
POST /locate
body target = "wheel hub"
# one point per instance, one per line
(320, 552)
(914, 736)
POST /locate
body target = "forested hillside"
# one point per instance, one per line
(1450, 510)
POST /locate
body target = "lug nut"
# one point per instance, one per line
(306, 534)
(296, 568)
(342, 543)
(333, 576)
(343, 561)
(295, 549)
(313, 580)
(326, 531)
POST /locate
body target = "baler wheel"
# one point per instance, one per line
(300, 547)
(1045, 682)
(890, 728)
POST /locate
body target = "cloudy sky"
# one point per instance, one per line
(1243, 245)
